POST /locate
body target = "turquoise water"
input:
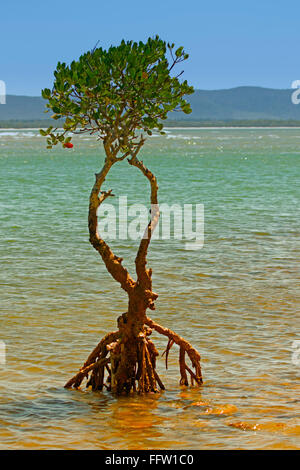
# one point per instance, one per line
(237, 299)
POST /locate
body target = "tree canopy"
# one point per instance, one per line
(117, 92)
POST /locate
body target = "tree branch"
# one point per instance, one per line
(112, 262)
(144, 275)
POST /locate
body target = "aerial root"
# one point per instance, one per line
(97, 369)
(182, 366)
(185, 347)
(169, 345)
(144, 373)
(95, 363)
(101, 348)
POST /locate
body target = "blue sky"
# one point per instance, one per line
(231, 43)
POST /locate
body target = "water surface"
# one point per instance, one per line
(237, 300)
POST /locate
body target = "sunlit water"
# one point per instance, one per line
(237, 299)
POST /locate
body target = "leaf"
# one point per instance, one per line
(46, 93)
(179, 52)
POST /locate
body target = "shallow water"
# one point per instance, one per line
(237, 299)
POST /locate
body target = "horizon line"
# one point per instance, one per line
(196, 89)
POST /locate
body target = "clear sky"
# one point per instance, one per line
(231, 43)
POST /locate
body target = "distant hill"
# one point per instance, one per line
(241, 103)
(23, 108)
(235, 104)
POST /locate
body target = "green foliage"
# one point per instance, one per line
(117, 92)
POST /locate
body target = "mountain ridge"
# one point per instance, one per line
(230, 104)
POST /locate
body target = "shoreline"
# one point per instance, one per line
(168, 128)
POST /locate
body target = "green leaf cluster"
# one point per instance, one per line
(118, 92)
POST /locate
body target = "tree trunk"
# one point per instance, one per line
(132, 355)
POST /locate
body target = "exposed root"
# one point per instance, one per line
(95, 363)
(169, 345)
(143, 377)
(184, 379)
(101, 348)
(186, 347)
(96, 369)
